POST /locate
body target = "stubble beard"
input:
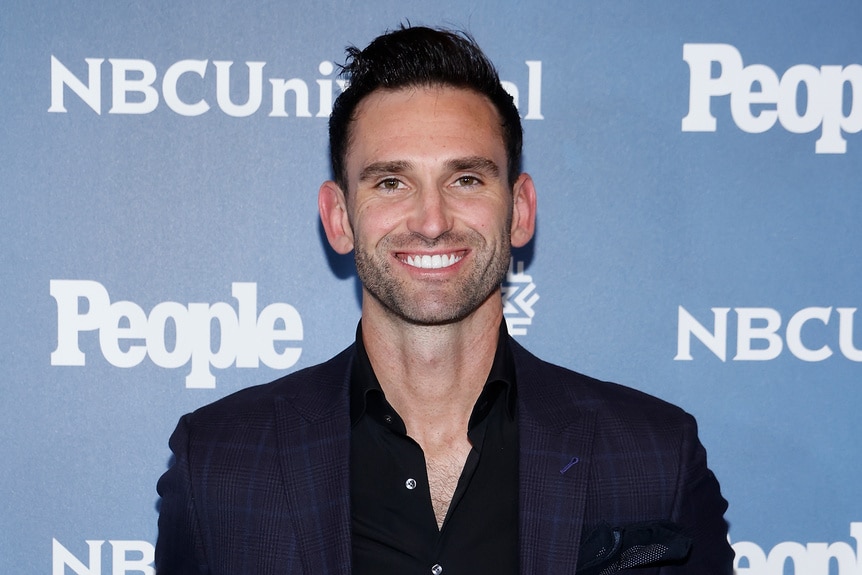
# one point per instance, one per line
(449, 303)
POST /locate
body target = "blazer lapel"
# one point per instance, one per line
(314, 443)
(556, 440)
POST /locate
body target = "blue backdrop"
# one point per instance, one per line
(698, 169)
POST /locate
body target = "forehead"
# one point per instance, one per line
(428, 122)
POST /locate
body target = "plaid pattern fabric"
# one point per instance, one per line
(259, 483)
(597, 453)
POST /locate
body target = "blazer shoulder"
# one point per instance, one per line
(551, 385)
(317, 385)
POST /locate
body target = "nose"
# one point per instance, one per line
(430, 216)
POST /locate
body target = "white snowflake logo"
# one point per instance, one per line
(519, 297)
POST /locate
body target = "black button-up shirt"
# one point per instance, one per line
(394, 527)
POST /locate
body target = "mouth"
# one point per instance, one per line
(431, 262)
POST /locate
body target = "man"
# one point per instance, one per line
(435, 444)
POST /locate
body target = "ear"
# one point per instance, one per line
(523, 211)
(333, 215)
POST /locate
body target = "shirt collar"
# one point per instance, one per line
(366, 394)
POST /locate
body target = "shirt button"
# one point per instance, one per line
(410, 483)
(436, 569)
(387, 418)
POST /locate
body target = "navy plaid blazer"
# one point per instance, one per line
(259, 483)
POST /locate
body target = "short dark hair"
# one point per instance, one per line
(420, 56)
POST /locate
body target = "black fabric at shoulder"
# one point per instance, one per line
(311, 388)
(550, 391)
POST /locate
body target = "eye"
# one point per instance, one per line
(390, 184)
(468, 181)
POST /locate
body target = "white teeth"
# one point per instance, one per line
(436, 261)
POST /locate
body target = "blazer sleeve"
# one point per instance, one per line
(179, 548)
(699, 507)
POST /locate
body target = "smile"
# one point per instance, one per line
(434, 262)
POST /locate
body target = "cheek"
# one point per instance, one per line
(373, 224)
(489, 220)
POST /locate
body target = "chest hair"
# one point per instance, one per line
(444, 468)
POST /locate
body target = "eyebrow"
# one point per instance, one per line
(474, 164)
(466, 164)
(378, 169)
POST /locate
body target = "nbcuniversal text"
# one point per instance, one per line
(135, 88)
(759, 333)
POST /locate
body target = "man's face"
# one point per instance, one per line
(428, 203)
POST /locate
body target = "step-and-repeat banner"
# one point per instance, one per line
(699, 168)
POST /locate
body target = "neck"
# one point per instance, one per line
(432, 375)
